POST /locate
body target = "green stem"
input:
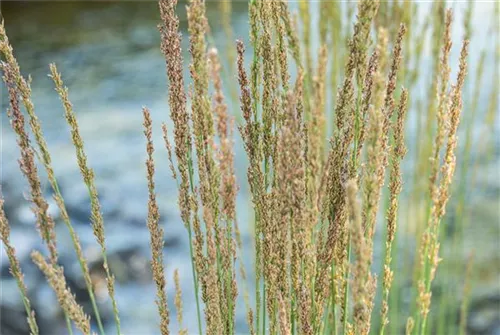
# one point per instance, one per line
(195, 280)
(266, 185)
(96, 312)
(81, 261)
(346, 291)
(393, 294)
(190, 234)
(332, 305)
(68, 323)
(264, 307)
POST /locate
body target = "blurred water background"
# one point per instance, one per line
(108, 53)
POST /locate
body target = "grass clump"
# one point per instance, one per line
(317, 203)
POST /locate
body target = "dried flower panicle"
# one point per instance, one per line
(337, 240)
(171, 49)
(44, 221)
(15, 269)
(55, 276)
(24, 89)
(430, 244)
(317, 127)
(225, 233)
(395, 187)
(443, 101)
(156, 232)
(168, 146)
(363, 282)
(366, 102)
(96, 217)
(178, 302)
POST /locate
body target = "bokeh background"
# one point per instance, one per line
(108, 53)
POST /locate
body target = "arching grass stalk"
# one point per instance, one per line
(88, 177)
(15, 269)
(440, 200)
(155, 230)
(55, 276)
(68, 324)
(252, 98)
(395, 187)
(17, 86)
(190, 235)
(171, 49)
(25, 92)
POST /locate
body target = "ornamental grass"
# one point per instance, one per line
(323, 128)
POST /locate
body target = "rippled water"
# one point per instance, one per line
(108, 53)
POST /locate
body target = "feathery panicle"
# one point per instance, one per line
(395, 186)
(178, 302)
(251, 138)
(336, 243)
(245, 98)
(171, 49)
(44, 156)
(284, 319)
(153, 223)
(254, 18)
(208, 175)
(24, 90)
(282, 45)
(304, 311)
(374, 164)
(202, 117)
(455, 110)
(290, 196)
(250, 321)
(227, 194)
(366, 12)
(377, 157)
(199, 258)
(44, 220)
(367, 99)
(211, 293)
(431, 236)
(380, 76)
(269, 87)
(15, 269)
(410, 324)
(442, 115)
(438, 43)
(225, 126)
(291, 32)
(443, 100)
(55, 277)
(250, 131)
(89, 180)
(317, 126)
(168, 146)
(363, 282)
(397, 55)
